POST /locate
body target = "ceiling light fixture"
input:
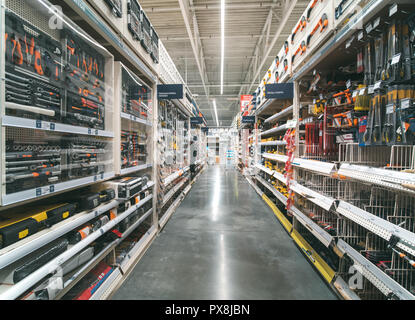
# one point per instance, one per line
(222, 19)
(216, 113)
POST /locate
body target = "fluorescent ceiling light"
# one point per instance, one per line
(216, 113)
(222, 19)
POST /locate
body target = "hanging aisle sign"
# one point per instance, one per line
(170, 91)
(279, 91)
(249, 120)
(196, 120)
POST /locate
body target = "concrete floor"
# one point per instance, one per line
(223, 242)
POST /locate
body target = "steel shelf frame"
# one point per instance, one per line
(133, 118)
(26, 246)
(375, 275)
(324, 237)
(284, 113)
(275, 157)
(10, 121)
(325, 168)
(378, 226)
(19, 288)
(30, 194)
(272, 173)
(275, 192)
(135, 169)
(273, 143)
(325, 202)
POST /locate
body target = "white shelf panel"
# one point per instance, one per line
(53, 188)
(327, 203)
(172, 192)
(386, 178)
(170, 211)
(325, 168)
(375, 275)
(253, 185)
(10, 121)
(136, 119)
(136, 250)
(281, 114)
(275, 192)
(273, 173)
(274, 130)
(378, 226)
(135, 169)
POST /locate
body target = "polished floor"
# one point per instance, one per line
(223, 242)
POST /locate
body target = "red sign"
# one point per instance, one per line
(245, 100)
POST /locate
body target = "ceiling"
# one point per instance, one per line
(191, 32)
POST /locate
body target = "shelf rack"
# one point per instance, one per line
(19, 288)
(340, 175)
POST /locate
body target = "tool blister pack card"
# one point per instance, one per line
(54, 75)
(134, 19)
(84, 77)
(33, 71)
(136, 96)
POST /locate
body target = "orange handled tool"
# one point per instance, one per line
(322, 25)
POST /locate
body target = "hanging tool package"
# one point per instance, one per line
(51, 80)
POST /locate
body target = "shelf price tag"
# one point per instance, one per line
(44, 190)
(405, 103)
(362, 92)
(396, 58)
(378, 85)
(371, 90)
(355, 94)
(390, 108)
(291, 124)
(348, 84)
(360, 35)
(369, 28)
(393, 9)
(376, 23)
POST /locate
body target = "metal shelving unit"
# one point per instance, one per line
(380, 180)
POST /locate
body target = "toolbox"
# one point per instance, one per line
(127, 187)
(18, 225)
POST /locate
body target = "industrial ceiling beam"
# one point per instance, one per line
(195, 41)
(231, 6)
(288, 9)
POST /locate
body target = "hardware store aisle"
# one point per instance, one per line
(223, 242)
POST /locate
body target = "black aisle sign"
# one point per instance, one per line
(169, 91)
(248, 119)
(196, 120)
(279, 91)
